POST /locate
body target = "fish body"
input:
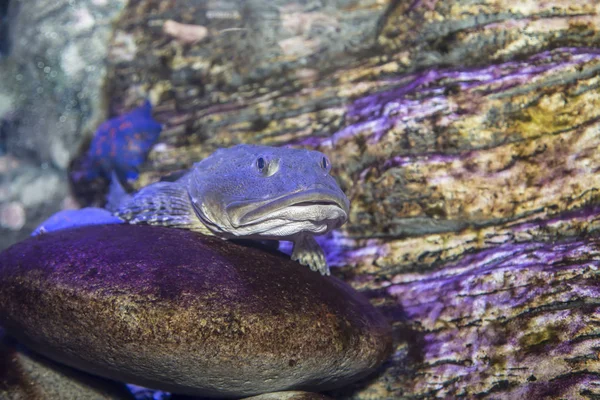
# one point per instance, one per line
(248, 192)
(121, 144)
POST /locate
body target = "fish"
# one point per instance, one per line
(247, 192)
(122, 144)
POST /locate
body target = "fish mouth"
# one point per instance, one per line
(311, 205)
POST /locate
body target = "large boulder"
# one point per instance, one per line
(174, 310)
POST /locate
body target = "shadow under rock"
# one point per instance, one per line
(25, 374)
(408, 347)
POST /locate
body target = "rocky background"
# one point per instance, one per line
(52, 71)
(466, 134)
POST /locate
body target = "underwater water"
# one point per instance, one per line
(438, 159)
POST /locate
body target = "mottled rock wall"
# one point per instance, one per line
(465, 133)
(514, 322)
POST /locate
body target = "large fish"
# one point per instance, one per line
(247, 192)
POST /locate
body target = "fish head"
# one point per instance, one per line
(256, 191)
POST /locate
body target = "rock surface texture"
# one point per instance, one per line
(174, 310)
(459, 129)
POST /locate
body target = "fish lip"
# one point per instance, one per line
(313, 196)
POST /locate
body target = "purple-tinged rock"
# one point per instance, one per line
(516, 321)
(178, 311)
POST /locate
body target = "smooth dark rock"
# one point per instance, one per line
(28, 376)
(174, 310)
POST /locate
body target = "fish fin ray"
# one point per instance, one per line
(308, 252)
(161, 203)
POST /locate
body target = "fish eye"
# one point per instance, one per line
(324, 163)
(267, 166)
(260, 163)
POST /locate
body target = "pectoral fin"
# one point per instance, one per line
(308, 252)
(162, 203)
